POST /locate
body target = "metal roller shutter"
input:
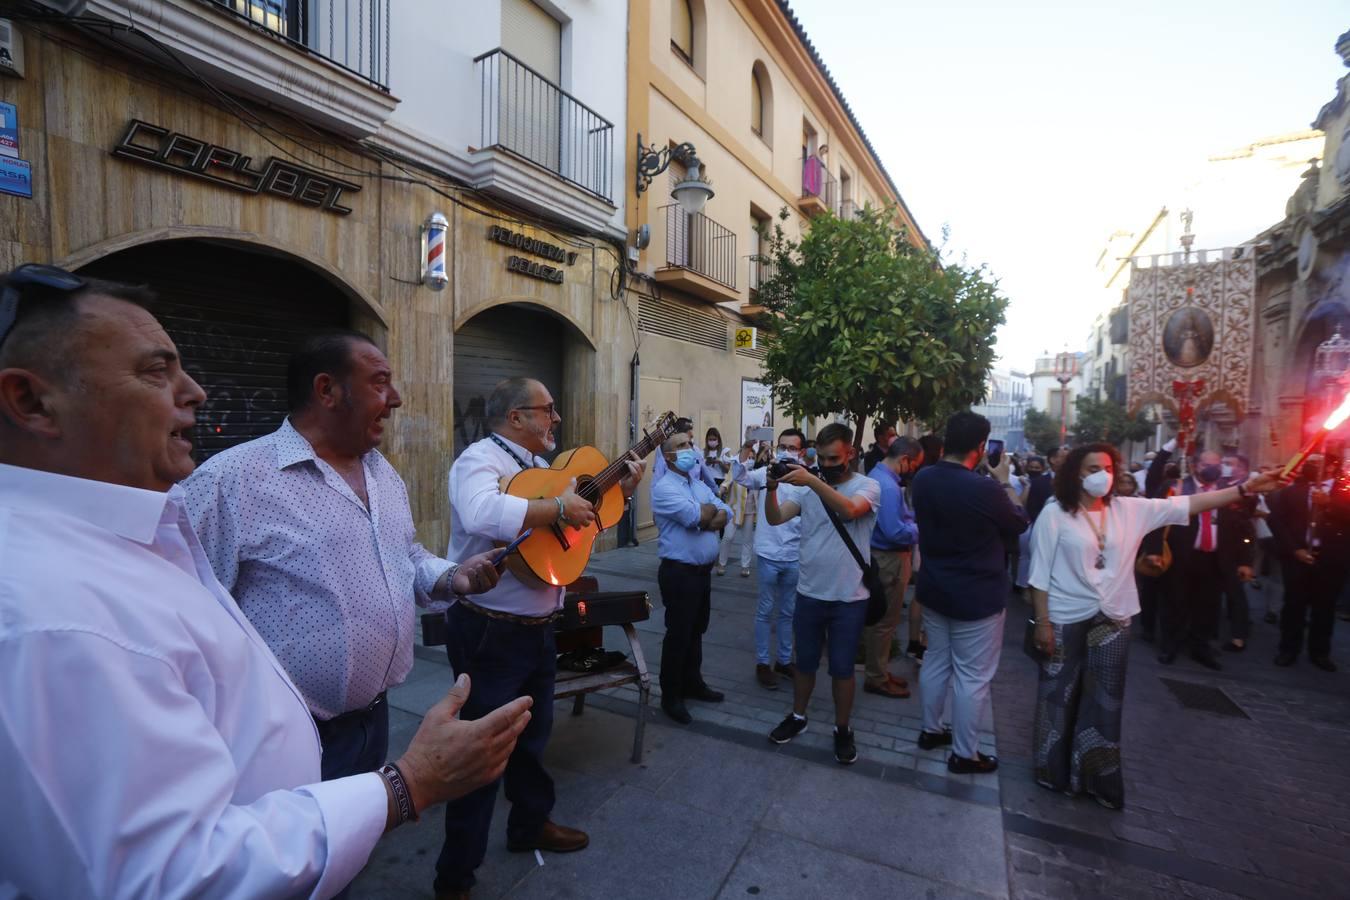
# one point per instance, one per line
(235, 317)
(505, 342)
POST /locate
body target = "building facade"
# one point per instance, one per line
(269, 168)
(1006, 400)
(1303, 296)
(1056, 383)
(740, 84)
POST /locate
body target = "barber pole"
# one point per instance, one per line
(433, 252)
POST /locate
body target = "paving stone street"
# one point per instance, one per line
(1217, 806)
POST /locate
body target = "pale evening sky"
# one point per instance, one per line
(1035, 130)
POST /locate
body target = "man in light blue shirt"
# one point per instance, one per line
(776, 547)
(893, 540)
(688, 516)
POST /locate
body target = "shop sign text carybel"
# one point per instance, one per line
(527, 244)
(165, 149)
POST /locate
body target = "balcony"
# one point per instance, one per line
(759, 270)
(529, 117)
(700, 256)
(324, 61)
(818, 187)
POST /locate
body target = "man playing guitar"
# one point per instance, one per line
(503, 638)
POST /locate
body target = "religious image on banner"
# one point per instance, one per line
(1191, 332)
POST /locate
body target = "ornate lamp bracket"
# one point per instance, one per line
(652, 162)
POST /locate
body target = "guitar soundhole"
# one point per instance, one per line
(586, 490)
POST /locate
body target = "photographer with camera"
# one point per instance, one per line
(831, 595)
(776, 547)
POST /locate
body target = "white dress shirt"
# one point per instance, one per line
(481, 517)
(330, 584)
(1064, 555)
(151, 744)
(776, 542)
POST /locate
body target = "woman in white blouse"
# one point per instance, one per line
(1082, 586)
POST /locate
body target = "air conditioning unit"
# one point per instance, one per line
(11, 49)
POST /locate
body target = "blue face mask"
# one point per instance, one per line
(686, 460)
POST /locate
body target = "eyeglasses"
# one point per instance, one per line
(550, 408)
(31, 274)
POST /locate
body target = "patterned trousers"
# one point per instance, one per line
(1078, 705)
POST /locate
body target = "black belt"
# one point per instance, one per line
(350, 715)
(701, 570)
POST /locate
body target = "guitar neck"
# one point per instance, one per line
(614, 473)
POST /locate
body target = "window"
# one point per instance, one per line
(761, 103)
(682, 29)
(756, 103)
(759, 224)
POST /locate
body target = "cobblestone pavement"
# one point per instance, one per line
(715, 809)
(886, 729)
(1217, 806)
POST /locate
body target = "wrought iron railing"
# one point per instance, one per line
(525, 113)
(352, 34)
(817, 181)
(697, 243)
(761, 269)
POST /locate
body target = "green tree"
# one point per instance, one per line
(1106, 420)
(1041, 430)
(869, 324)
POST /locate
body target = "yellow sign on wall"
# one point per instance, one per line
(747, 338)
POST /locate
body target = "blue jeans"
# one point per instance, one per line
(504, 660)
(832, 624)
(965, 655)
(777, 587)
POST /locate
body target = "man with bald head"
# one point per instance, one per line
(688, 516)
(503, 639)
(151, 743)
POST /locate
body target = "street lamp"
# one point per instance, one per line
(692, 191)
(1066, 370)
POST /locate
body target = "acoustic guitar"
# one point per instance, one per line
(557, 554)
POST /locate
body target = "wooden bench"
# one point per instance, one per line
(577, 685)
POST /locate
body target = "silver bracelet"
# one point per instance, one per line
(399, 788)
(562, 512)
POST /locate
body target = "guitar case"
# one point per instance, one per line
(595, 609)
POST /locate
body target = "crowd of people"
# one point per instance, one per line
(1099, 550)
(223, 638)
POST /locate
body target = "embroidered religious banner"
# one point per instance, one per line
(1192, 323)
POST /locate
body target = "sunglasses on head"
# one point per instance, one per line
(27, 275)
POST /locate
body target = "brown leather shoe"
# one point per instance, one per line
(553, 838)
(897, 680)
(453, 895)
(886, 689)
(764, 675)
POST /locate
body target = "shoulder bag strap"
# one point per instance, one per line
(843, 533)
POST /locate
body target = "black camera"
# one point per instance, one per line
(779, 468)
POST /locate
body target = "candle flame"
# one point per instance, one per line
(1340, 415)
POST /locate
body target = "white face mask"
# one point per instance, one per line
(1098, 484)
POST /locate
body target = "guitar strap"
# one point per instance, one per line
(509, 452)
